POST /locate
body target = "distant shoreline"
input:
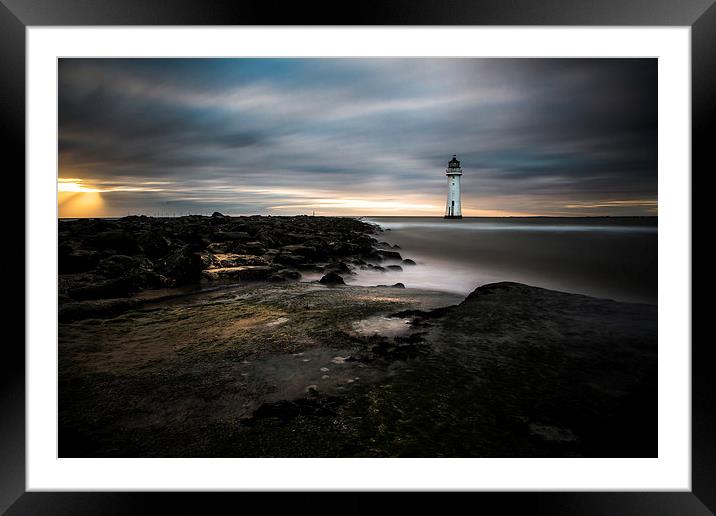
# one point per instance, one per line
(379, 216)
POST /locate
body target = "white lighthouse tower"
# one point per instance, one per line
(453, 210)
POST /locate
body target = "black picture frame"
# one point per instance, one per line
(17, 15)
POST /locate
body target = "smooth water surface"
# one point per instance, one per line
(608, 257)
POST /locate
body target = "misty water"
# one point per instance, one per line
(614, 257)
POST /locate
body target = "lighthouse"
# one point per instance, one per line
(453, 173)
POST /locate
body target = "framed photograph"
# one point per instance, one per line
(423, 249)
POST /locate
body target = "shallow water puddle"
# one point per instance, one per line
(385, 326)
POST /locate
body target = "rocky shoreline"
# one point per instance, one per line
(192, 337)
(104, 263)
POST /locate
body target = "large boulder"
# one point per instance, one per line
(332, 278)
(339, 267)
(182, 266)
(390, 255)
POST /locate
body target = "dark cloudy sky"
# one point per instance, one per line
(357, 136)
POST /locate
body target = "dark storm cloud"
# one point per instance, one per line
(544, 136)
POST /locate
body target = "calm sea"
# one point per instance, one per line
(612, 258)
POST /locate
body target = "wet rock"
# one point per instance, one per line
(407, 261)
(174, 251)
(394, 267)
(332, 279)
(238, 260)
(242, 273)
(395, 285)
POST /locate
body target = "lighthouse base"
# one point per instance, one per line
(453, 216)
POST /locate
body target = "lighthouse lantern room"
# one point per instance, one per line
(453, 210)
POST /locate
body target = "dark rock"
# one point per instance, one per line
(408, 261)
(390, 255)
(289, 274)
(182, 266)
(341, 267)
(154, 244)
(332, 279)
(284, 275)
(372, 256)
(394, 267)
(289, 259)
(394, 285)
(119, 241)
(120, 265)
(302, 250)
(232, 236)
(238, 260)
(252, 247)
(243, 273)
(146, 252)
(219, 247)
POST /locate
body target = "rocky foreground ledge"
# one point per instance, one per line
(114, 259)
(301, 370)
